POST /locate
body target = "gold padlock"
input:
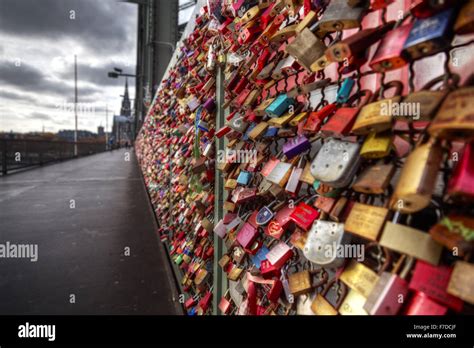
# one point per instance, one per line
(366, 220)
(377, 145)
(377, 115)
(461, 283)
(418, 178)
(359, 277)
(410, 241)
(454, 119)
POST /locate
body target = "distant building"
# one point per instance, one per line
(122, 124)
(68, 135)
(100, 131)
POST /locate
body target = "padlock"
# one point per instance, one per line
(454, 118)
(418, 177)
(304, 214)
(265, 214)
(377, 145)
(235, 273)
(294, 184)
(285, 67)
(307, 88)
(374, 179)
(225, 304)
(428, 100)
(283, 34)
(306, 48)
(260, 109)
(433, 281)
(421, 304)
(321, 306)
(357, 43)
(429, 36)
(366, 220)
(353, 304)
(307, 21)
(279, 105)
(380, 4)
(377, 115)
(247, 235)
(461, 182)
(267, 270)
(279, 255)
(410, 241)
(281, 221)
(341, 123)
(465, 21)
(315, 119)
(339, 15)
(302, 282)
(388, 55)
(324, 242)
(296, 146)
(325, 204)
(428, 8)
(244, 178)
(389, 293)
(362, 277)
(336, 162)
(280, 174)
(461, 283)
(455, 232)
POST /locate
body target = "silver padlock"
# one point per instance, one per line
(324, 243)
(336, 162)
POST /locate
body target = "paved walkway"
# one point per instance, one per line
(83, 215)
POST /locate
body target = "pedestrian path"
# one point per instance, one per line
(97, 251)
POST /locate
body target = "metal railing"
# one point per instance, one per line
(17, 154)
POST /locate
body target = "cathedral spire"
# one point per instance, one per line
(125, 110)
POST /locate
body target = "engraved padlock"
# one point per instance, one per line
(324, 242)
(336, 162)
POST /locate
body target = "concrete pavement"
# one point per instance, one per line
(84, 215)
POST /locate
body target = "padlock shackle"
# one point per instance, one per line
(398, 85)
(453, 78)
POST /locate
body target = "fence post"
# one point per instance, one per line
(4, 157)
(220, 281)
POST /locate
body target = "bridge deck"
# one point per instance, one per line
(83, 214)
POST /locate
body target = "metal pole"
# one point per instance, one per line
(106, 127)
(220, 281)
(75, 105)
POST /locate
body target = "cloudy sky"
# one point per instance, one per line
(38, 40)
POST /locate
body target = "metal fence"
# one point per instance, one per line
(16, 154)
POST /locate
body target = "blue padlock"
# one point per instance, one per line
(246, 135)
(271, 132)
(244, 178)
(279, 105)
(260, 256)
(429, 35)
(344, 91)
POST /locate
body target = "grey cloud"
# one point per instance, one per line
(98, 74)
(30, 79)
(95, 25)
(16, 96)
(41, 116)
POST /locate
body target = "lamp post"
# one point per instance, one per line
(75, 105)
